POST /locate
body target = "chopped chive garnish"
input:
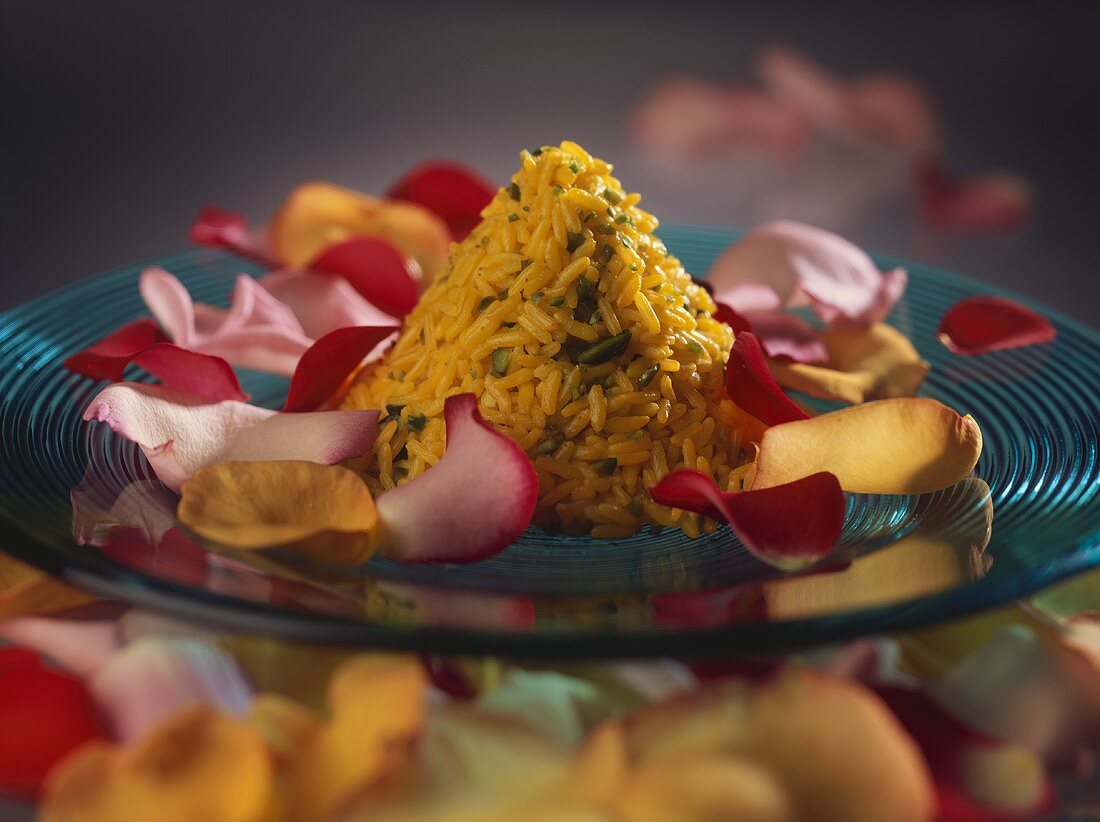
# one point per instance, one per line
(612, 197)
(647, 376)
(513, 191)
(501, 356)
(513, 217)
(537, 297)
(695, 347)
(526, 261)
(603, 228)
(627, 242)
(503, 295)
(416, 422)
(576, 169)
(557, 301)
(558, 190)
(550, 443)
(606, 466)
(624, 218)
(605, 350)
(473, 373)
(607, 253)
(575, 241)
(634, 267)
(485, 301)
(538, 151)
(596, 316)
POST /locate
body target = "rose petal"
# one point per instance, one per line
(321, 511)
(45, 714)
(977, 777)
(321, 302)
(727, 314)
(977, 325)
(450, 190)
(997, 201)
(228, 230)
(789, 526)
(443, 515)
(751, 386)
(181, 434)
(108, 358)
(872, 363)
(894, 111)
(316, 215)
(79, 645)
(198, 764)
(806, 86)
(376, 269)
(899, 446)
(325, 367)
(787, 336)
(153, 678)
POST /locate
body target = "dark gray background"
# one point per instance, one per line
(122, 118)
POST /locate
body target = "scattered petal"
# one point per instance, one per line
(454, 192)
(375, 268)
(80, 646)
(45, 714)
(789, 526)
(726, 314)
(25, 590)
(863, 363)
(153, 678)
(228, 230)
(198, 764)
(322, 302)
(108, 358)
(996, 201)
(787, 337)
(181, 434)
(321, 511)
(978, 325)
(444, 516)
(806, 86)
(898, 446)
(328, 363)
(751, 386)
(316, 215)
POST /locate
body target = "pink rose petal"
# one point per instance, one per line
(977, 325)
(108, 358)
(154, 677)
(228, 231)
(790, 529)
(181, 433)
(806, 86)
(78, 645)
(452, 191)
(751, 385)
(321, 302)
(329, 362)
(471, 504)
(787, 336)
(383, 275)
(996, 201)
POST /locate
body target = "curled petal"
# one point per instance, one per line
(325, 367)
(789, 526)
(997, 201)
(978, 325)
(152, 678)
(872, 363)
(787, 337)
(751, 386)
(443, 515)
(376, 269)
(322, 511)
(731, 317)
(454, 192)
(108, 358)
(216, 228)
(898, 446)
(321, 302)
(181, 434)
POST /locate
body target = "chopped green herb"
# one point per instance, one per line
(501, 357)
(607, 252)
(612, 197)
(513, 217)
(605, 350)
(513, 191)
(485, 302)
(473, 373)
(537, 297)
(416, 422)
(606, 466)
(538, 151)
(557, 301)
(694, 347)
(596, 317)
(558, 191)
(550, 443)
(503, 295)
(525, 262)
(421, 336)
(603, 228)
(627, 242)
(576, 169)
(647, 376)
(400, 472)
(586, 289)
(575, 241)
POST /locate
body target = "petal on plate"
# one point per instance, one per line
(328, 363)
(996, 201)
(806, 86)
(862, 363)
(216, 228)
(751, 386)
(789, 526)
(977, 325)
(316, 215)
(787, 337)
(25, 590)
(376, 269)
(323, 303)
(197, 764)
(899, 446)
(108, 358)
(154, 677)
(80, 646)
(894, 111)
(181, 434)
(731, 317)
(443, 515)
(977, 776)
(45, 714)
(452, 191)
(321, 511)
(170, 303)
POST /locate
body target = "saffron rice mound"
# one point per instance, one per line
(585, 341)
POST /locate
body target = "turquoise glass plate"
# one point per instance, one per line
(82, 503)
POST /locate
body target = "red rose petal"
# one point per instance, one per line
(108, 358)
(791, 528)
(227, 230)
(994, 201)
(328, 363)
(978, 325)
(471, 504)
(726, 314)
(751, 385)
(44, 714)
(453, 191)
(376, 269)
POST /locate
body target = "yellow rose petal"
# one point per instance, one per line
(898, 446)
(24, 590)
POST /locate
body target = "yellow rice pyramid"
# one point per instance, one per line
(585, 341)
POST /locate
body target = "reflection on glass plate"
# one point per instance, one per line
(79, 501)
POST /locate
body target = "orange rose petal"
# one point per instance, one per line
(321, 511)
(25, 590)
(197, 765)
(897, 446)
(872, 363)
